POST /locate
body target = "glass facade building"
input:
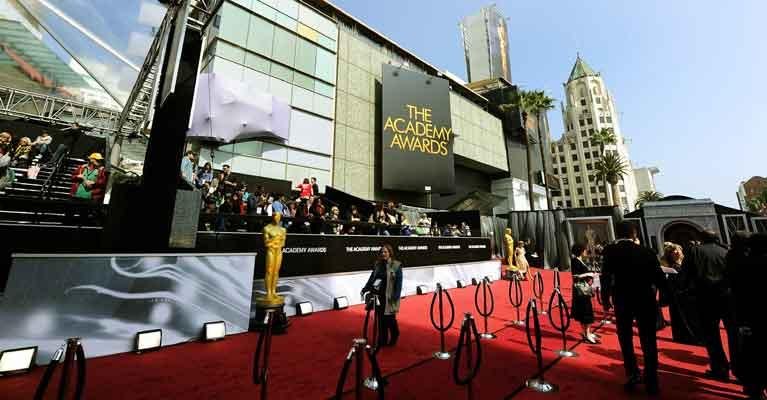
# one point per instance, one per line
(486, 45)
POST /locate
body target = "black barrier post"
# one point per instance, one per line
(516, 297)
(564, 321)
(538, 289)
(468, 335)
(556, 279)
(485, 312)
(442, 354)
(538, 382)
(372, 305)
(357, 355)
(605, 318)
(261, 357)
(73, 353)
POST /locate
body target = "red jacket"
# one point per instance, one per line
(97, 190)
(306, 190)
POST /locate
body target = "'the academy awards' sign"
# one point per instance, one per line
(417, 136)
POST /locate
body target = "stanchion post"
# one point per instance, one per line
(516, 297)
(72, 353)
(468, 332)
(442, 354)
(538, 289)
(564, 321)
(261, 357)
(538, 383)
(557, 282)
(485, 312)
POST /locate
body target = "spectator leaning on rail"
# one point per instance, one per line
(89, 180)
(187, 168)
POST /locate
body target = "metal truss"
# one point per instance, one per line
(57, 110)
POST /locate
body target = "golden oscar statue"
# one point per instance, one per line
(508, 243)
(274, 241)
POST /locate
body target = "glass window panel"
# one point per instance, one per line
(305, 159)
(327, 42)
(260, 36)
(284, 49)
(323, 106)
(296, 174)
(288, 7)
(306, 56)
(232, 53)
(274, 152)
(251, 148)
(302, 98)
(324, 89)
(264, 10)
(280, 89)
(256, 79)
(308, 32)
(257, 62)
(326, 66)
(227, 68)
(285, 21)
(284, 73)
(306, 82)
(245, 3)
(234, 24)
(271, 169)
(247, 165)
(310, 132)
(323, 178)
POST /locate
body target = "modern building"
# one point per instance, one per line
(327, 65)
(589, 107)
(486, 45)
(645, 179)
(749, 190)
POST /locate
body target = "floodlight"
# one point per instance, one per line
(148, 340)
(339, 303)
(304, 308)
(17, 360)
(214, 330)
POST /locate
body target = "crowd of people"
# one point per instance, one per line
(22, 153)
(225, 200)
(703, 283)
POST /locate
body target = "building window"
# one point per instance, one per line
(599, 100)
(594, 202)
(564, 181)
(601, 189)
(602, 119)
(603, 201)
(587, 155)
(581, 122)
(591, 131)
(609, 120)
(589, 167)
(556, 171)
(589, 121)
(572, 146)
(595, 153)
(624, 201)
(578, 179)
(561, 148)
(621, 188)
(561, 159)
(569, 204)
(564, 170)
(560, 204)
(582, 203)
(580, 191)
(577, 168)
(583, 102)
(583, 133)
(567, 192)
(575, 157)
(591, 179)
(554, 159)
(592, 189)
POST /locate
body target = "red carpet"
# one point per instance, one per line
(306, 362)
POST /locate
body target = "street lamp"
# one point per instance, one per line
(428, 196)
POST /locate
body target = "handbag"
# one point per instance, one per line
(583, 289)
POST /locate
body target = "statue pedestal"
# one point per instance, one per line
(280, 318)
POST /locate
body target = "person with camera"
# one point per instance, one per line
(386, 282)
(582, 310)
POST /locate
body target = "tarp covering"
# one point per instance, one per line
(227, 110)
(547, 231)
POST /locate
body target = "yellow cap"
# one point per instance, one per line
(95, 156)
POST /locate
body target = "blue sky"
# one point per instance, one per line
(689, 76)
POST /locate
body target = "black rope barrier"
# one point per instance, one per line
(516, 297)
(441, 326)
(356, 356)
(538, 382)
(261, 357)
(605, 317)
(564, 321)
(73, 357)
(557, 280)
(372, 305)
(485, 312)
(468, 338)
(538, 289)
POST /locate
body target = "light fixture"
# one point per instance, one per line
(304, 308)
(460, 283)
(214, 330)
(339, 303)
(16, 361)
(148, 340)
(421, 289)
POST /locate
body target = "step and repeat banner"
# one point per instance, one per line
(417, 136)
(106, 299)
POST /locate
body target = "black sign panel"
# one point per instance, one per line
(417, 136)
(326, 254)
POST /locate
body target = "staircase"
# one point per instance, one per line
(45, 200)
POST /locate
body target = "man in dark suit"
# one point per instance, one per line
(631, 274)
(706, 265)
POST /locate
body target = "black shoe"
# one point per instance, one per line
(723, 376)
(632, 382)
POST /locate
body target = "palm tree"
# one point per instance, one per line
(525, 102)
(758, 204)
(611, 168)
(543, 103)
(603, 137)
(646, 196)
